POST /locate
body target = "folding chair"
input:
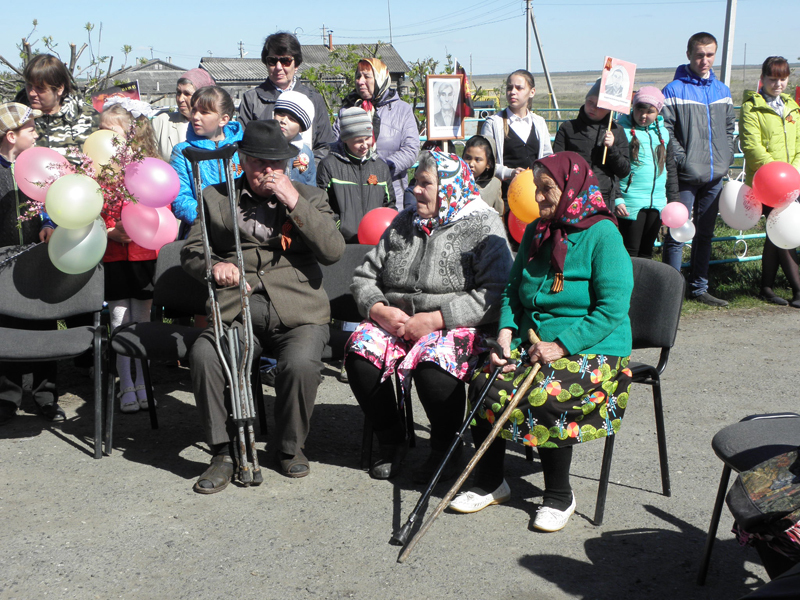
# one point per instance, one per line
(740, 447)
(337, 279)
(175, 294)
(31, 288)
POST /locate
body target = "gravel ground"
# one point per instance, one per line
(129, 525)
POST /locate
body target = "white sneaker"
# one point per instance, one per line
(550, 519)
(476, 499)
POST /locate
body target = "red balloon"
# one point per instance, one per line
(516, 227)
(374, 224)
(776, 183)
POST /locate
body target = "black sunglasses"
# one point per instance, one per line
(286, 61)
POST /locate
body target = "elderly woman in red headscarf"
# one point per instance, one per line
(571, 283)
(394, 126)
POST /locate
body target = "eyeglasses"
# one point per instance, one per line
(286, 61)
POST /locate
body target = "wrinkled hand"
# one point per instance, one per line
(546, 352)
(608, 140)
(388, 317)
(45, 233)
(281, 186)
(226, 275)
(420, 325)
(117, 234)
(622, 211)
(504, 341)
(517, 171)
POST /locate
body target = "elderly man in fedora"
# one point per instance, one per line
(286, 230)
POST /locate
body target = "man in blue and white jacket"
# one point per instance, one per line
(698, 112)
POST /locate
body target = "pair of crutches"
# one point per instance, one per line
(236, 358)
(400, 537)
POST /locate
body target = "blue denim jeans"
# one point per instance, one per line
(703, 204)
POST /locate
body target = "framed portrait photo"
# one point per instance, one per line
(443, 102)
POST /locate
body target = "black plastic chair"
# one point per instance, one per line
(31, 288)
(655, 312)
(176, 294)
(740, 447)
(337, 279)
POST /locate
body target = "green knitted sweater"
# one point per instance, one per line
(590, 315)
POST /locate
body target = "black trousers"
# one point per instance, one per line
(640, 235)
(298, 351)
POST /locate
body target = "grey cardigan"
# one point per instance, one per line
(461, 269)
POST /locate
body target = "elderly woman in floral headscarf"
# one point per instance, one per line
(395, 129)
(571, 283)
(430, 290)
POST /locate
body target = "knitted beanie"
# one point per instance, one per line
(299, 105)
(649, 95)
(354, 122)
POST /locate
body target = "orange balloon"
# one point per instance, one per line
(522, 197)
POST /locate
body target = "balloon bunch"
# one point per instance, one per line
(676, 216)
(775, 184)
(78, 197)
(523, 205)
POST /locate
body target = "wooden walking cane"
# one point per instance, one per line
(498, 425)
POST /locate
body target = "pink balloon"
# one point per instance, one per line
(152, 182)
(674, 214)
(37, 166)
(149, 227)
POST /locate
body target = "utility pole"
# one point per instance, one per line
(242, 53)
(389, 7)
(744, 67)
(324, 31)
(727, 44)
(544, 65)
(528, 16)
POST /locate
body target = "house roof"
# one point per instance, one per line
(154, 76)
(252, 69)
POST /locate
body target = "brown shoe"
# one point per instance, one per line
(217, 476)
(294, 466)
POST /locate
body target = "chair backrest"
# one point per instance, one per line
(32, 288)
(656, 303)
(175, 290)
(336, 279)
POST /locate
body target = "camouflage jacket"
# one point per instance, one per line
(68, 127)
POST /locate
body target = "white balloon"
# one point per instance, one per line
(738, 206)
(783, 226)
(684, 233)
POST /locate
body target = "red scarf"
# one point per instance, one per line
(581, 206)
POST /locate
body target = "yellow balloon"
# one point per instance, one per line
(100, 147)
(522, 197)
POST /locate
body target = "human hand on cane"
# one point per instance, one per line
(227, 275)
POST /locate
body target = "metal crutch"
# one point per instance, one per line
(236, 359)
(498, 425)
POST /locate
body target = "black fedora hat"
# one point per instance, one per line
(264, 139)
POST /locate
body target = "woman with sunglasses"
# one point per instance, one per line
(653, 180)
(282, 56)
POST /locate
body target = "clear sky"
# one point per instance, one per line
(576, 34)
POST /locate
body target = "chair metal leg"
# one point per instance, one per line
(529, 453)
(605, 474)
(110, 389)
(366, 445)
(409, 412)
(148, 388)
(98, 394)
(712, 527)
(662, 437)
(258, 398)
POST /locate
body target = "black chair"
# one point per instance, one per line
(740, 447)
(337, 279)
(176, 294)
(31, 288)
(655, 312)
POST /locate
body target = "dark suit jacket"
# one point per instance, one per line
(292, 277)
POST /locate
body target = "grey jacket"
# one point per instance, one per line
(461, 269)
(700, 118)
(257, 105)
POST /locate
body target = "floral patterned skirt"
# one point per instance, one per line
(453, 350)
(572, 400)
